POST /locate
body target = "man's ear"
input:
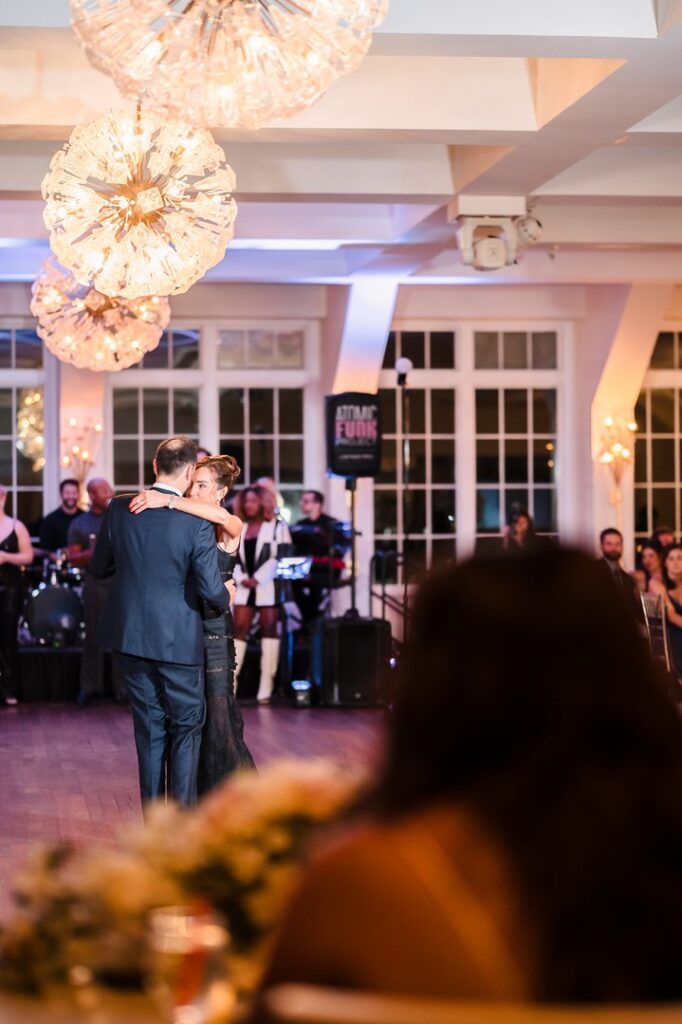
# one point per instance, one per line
(154, 467)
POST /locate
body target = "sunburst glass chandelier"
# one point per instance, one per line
(226, 62)
(137, 207)
(90, 330)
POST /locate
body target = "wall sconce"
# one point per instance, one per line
(79, 448)
(616, 446)
(30, 427)
(617, 452)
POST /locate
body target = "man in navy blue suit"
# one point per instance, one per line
(162, 562)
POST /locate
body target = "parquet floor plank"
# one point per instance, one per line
(69, 774)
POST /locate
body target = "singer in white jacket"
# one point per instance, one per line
(263, 540)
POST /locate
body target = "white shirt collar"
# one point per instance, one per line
(167, 487)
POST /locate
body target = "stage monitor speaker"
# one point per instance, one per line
(349, 658)
(353, 434)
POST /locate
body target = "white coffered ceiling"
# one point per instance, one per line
(576, 107)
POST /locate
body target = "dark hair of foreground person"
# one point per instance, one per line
(524, 841)
(528, 694)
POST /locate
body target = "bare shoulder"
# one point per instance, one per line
(382, 914)
(370, 851)
(20, 529)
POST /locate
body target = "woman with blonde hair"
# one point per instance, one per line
(223, 749)
(264, 538)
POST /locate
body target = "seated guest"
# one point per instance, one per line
(54, 529)
(15, 550)
(524, 841)
(638, 577)
(520, 535)
(611, 544)
(663, 536)
(670, 588)
(650, 560)
(314, 535)
(82, 536)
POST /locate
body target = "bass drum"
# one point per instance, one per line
(54, 615)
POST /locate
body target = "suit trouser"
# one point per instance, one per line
(167, 702)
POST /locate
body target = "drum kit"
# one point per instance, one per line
(53, 609)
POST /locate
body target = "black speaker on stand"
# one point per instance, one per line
(350, 654)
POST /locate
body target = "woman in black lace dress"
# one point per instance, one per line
(15, 550)
(223, 749)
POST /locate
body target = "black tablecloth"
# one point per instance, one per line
(49, 674)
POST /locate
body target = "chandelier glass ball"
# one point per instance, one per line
(138, 206)
(239, 63)
(90, 330)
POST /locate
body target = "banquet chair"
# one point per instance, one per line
(309, 1004)
(656, 627)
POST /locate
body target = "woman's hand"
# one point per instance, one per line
(231, 588)
(149, 499)
(249, 583)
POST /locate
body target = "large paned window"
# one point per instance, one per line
(22, 451)
(22, 422)
(263, 429)
(427, 350)
(422, 517)
(178, 349)
(515, 350)
(515, 426)
(20, 349)
(484, 439)
(658, 448)
(260, 350)
(515, 459)
(248, 390)
(142, 417)
(424, 513)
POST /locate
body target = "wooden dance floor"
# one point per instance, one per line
(70, 774)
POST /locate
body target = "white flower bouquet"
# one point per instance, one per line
(238, 851)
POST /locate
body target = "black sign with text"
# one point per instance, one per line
(353, 434)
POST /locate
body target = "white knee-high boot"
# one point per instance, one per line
(269, 662)
(239, 655)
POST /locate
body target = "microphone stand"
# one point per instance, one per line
(352, 613)
(403, 367)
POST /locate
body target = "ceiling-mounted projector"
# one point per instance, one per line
(489, 242)
(490, 253)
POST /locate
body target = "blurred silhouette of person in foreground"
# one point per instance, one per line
(524, 841)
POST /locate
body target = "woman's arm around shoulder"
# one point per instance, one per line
(230, 525)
